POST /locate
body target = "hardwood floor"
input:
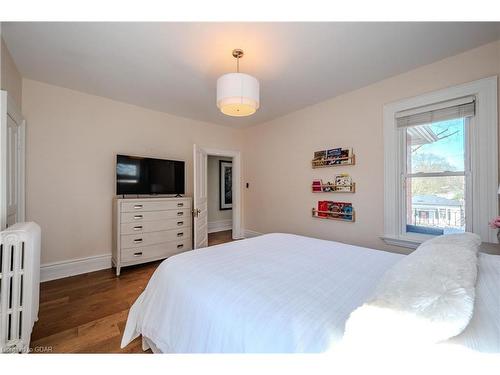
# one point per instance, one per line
(87, 313)
(220, 237)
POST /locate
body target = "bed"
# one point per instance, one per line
(279, 293)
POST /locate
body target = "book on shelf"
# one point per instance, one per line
(333, 156)
(343, 182)
(337, 210)
(322, 206)
(346, 155)
(340, 210)
(319, 155)
(317, 185)
(328, 187)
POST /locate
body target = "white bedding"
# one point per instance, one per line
(278, 293)
(483, 332)
(424, 299)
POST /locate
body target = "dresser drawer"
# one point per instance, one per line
(146, 239)
(144, 206)
(162, 250)
(137, 217)
(154, 226)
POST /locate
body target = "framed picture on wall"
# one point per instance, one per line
(225, 185)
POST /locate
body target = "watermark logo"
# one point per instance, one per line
(34, 349)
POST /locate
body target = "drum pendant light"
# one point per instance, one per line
(237, 93)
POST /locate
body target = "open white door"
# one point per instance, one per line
(200, 211)
(12, 144)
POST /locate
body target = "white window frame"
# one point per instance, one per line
(483, 155)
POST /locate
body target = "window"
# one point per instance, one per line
(437, 177)
(441, 162)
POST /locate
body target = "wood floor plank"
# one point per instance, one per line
(74, 339)
(87, 313)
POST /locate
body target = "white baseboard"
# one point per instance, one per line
(220, 225)
(58, 270)
(251, 233)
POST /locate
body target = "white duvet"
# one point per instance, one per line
(277, 293)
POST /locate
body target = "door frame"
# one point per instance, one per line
(8, 107)
(237, 232)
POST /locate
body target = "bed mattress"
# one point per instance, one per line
(278, 293)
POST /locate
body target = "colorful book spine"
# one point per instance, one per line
(322, 208)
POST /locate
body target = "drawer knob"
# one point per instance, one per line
(180, 222)
(180, 246)
(180, 234)
(138, 240)
(138, 227)
(137, 206)
(180, 204)
(137, 217)
(180, 213)
(138, 254)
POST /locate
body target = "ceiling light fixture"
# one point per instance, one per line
(237, 93)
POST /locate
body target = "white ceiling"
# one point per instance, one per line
(173, 67)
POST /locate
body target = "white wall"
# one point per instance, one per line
(214, 213)
(10, 79)
(278, 153)
(72, 140)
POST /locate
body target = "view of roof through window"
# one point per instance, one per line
(435, 183)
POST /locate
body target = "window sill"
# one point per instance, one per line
(405, 241)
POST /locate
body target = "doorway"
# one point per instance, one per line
(217, 197)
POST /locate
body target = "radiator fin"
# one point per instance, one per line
(21, 291)
(22, 255)
(10, 292)
(11, 258)
(9, 327)
(20, 325)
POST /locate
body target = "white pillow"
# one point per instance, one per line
(427, 297)
(468, 240)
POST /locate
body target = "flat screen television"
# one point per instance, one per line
(138, 175)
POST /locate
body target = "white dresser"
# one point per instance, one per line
(149, 229)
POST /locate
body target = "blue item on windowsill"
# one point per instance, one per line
(424, 230)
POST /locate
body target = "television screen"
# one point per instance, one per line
(137, 175)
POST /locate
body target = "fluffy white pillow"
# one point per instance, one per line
(427, 297)
(467, 240)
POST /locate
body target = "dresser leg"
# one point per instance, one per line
(118, 270)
